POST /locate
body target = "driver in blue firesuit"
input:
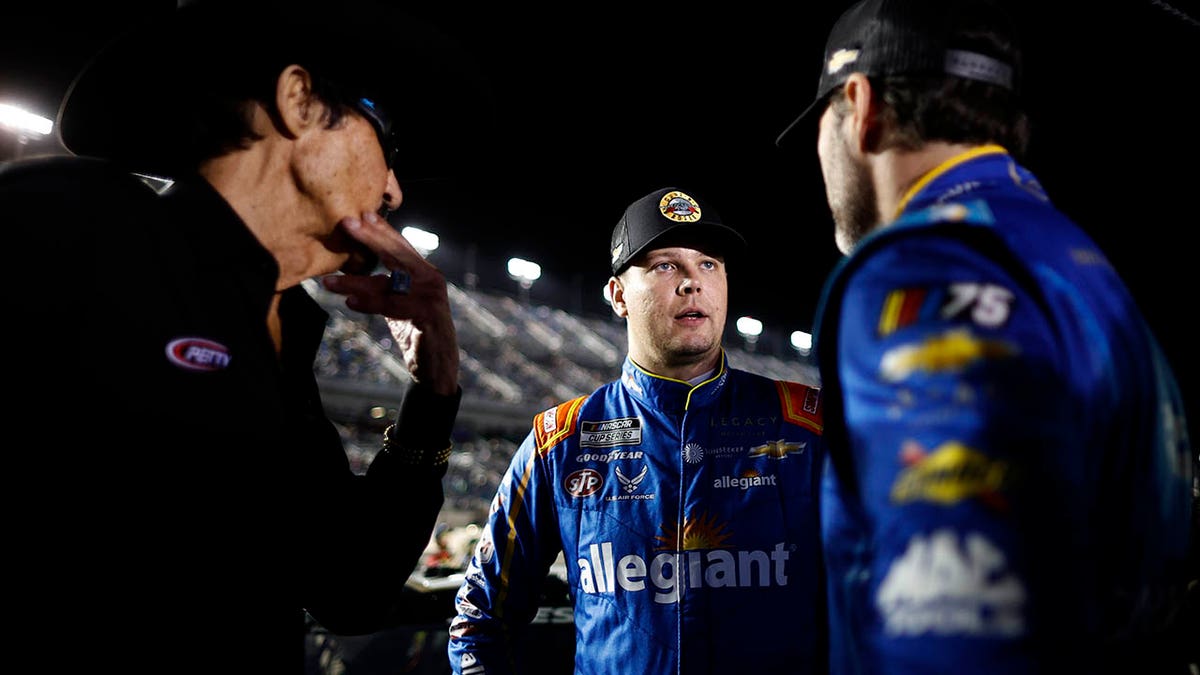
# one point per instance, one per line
(682, 496)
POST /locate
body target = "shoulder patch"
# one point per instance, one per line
(552, 425)
(975, 212)
(801, 404)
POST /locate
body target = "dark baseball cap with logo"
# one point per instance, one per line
(915, 37)
(671, 217)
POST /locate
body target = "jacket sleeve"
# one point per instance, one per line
(504, 578)
(384, 520)
(957, 420)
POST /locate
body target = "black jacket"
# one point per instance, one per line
(185, 500)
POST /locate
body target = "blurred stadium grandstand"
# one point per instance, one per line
(517, 360)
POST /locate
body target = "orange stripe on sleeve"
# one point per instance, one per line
(551, 426)
(801, 404)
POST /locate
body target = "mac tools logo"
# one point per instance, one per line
(947, 584)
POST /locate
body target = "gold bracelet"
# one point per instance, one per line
(410, 456)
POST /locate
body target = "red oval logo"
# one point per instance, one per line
(583, 482)
(191, 353)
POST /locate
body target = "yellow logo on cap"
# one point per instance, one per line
(840, 58)
(678, 206)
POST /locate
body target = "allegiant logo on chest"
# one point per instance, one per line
(671, 573)
(198, 354)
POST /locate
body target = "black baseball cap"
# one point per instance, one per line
(910, 37)
(670, 216)
(132, 101)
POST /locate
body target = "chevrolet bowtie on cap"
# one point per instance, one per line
(912, 37)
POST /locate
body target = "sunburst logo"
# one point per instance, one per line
(704, 532)
(693, 453)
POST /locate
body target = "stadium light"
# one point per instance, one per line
(422, 240)
(802, 342)
(749, 328)
(24, 123)
(524, 273)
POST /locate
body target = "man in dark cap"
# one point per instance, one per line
(1009, 485)
(190, 501)
(682, 496)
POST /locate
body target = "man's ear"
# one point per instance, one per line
(299, 110)
(863, 112)
(616, 295)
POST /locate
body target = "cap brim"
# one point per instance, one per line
(714, 238)
(788, 137)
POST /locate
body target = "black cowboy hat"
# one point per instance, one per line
(130, 103)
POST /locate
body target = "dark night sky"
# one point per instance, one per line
(564, 115)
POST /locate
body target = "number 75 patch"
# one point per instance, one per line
(986, 305)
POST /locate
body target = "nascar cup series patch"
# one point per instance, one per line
(609, 433)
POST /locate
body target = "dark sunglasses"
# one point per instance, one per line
(382, 123)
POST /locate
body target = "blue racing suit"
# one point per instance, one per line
(1009, 478)
(687, 518)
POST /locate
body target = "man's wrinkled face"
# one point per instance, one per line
(345, 169)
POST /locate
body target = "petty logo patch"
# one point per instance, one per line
(198, 354)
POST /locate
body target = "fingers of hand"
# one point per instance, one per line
(400, 282)
(394, 250)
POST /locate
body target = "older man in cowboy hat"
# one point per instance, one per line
(188, 500)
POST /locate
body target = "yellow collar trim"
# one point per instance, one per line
(990, 149)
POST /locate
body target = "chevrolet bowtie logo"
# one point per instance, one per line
(777, 449)
(840, 58)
